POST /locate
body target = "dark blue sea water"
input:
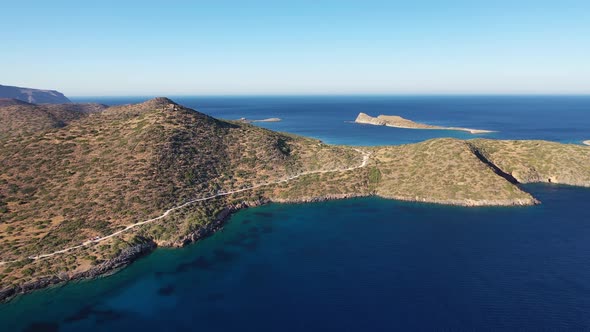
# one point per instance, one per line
(354, 265)
(556, 118)
(362, 264)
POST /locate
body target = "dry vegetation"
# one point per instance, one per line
(60, 187)
(73, 173)
(539, 161)
(21, 118)
(443, 171)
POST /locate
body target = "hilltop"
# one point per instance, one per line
(34, 96)
(399, 122)
(60, 187)
(95, 192)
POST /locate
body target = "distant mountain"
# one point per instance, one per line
(34, 96)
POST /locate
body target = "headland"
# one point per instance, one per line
(399, 122)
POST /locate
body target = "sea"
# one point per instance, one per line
(363, 264)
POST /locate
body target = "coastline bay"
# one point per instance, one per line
(295, 166)
(250, 260)
(392, 263)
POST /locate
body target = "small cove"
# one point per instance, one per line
(351, 264)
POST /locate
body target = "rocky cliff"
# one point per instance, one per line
(34, 96)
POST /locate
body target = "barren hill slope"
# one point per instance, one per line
(90, 195)
(21, 118)
(132, 162)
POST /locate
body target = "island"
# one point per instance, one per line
(87, 189)
(399, 122)
(261, 120)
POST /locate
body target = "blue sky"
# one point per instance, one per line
(297, 47)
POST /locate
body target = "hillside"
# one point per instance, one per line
(539, 161)
(131, 163)
(34, 96)
(92, 194)
(444, 171)
(21, 118)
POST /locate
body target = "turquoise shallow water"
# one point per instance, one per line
(359, 264)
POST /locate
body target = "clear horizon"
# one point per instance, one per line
(266, 48)
(172, 96)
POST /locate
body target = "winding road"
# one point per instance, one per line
(366, 156)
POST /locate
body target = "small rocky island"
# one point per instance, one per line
(36, 96)
(399, 122)
(261, 120)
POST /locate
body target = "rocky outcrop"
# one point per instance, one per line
(126, 256)
(220, 219)
(367, 119)
(33, 96)
(467, 202)
(215, 225)
(399, 122)
(8, 293)
(315, 199)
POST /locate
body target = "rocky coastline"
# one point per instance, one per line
(399, 122)
(129, 255)
(216, 225)
(315, 199)
(468, 202)
(126, 257)
(133, 253)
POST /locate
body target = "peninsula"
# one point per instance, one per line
(399, 122)
(587, 142)
(86, 189)
(33, 95)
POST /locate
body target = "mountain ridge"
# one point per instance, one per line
(33, 96)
